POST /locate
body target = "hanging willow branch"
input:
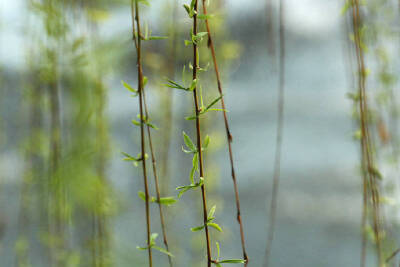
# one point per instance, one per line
(369, 171)
(136, 16)
(198, 134)
(228, 132)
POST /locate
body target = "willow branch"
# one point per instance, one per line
(369, 179)
(142, 136)
(228, 133)
(198, 135)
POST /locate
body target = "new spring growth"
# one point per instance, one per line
(219, 262)
(153, 238)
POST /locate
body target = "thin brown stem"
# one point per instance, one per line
(153, 161)
(142, 135)
(228, 134)
(366, 143)
(198, 135)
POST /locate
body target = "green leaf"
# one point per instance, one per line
(233, 261)
(189, 142)
(189, 118)
(202, 16)
(185, 188)
(213, 103)
(357, 135)
(193, 85)
(136, 122)
(198, 37)
(128, 157)
(218, 250)
(142, 195)
(192, 3)
(346, 7)
(175, 85)
(162, 250)
(153, 237)
(130, 88)
(212, 211)
(141, 248)
(215, 226)
(158, 37)
(206, 142)
(187, 8)
(187, 42)
(196, 229)
(374, 171)
(194, 167)
(166, 200)
(145, 80)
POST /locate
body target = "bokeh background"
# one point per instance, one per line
(320, 197)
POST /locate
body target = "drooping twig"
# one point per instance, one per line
(228, 132)
(279, 134)
(368, 168)
(136, 14)
(198, 135)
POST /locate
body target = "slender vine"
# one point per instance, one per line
(197, 149)
(228, 132)
(369, 171)
(198, 133)
(142, 135)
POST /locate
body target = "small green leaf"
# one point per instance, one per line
(166, 200)
(153, 237)
(162, 250)
(206, 142)
(145, 80)
(233, 261)
(374, 171)
(158, 37)
(193, 85)
(212, 212)
(202, 16)
(194, 167)
(189, 142)
(357, 135)
(218, 250)
(185, 188)
(215, 226)
(136, 122)
(130, 88)
(213, 102)
(142, 195)
(187, 8)
(196, 229)
(175, 85)
(128, 157)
